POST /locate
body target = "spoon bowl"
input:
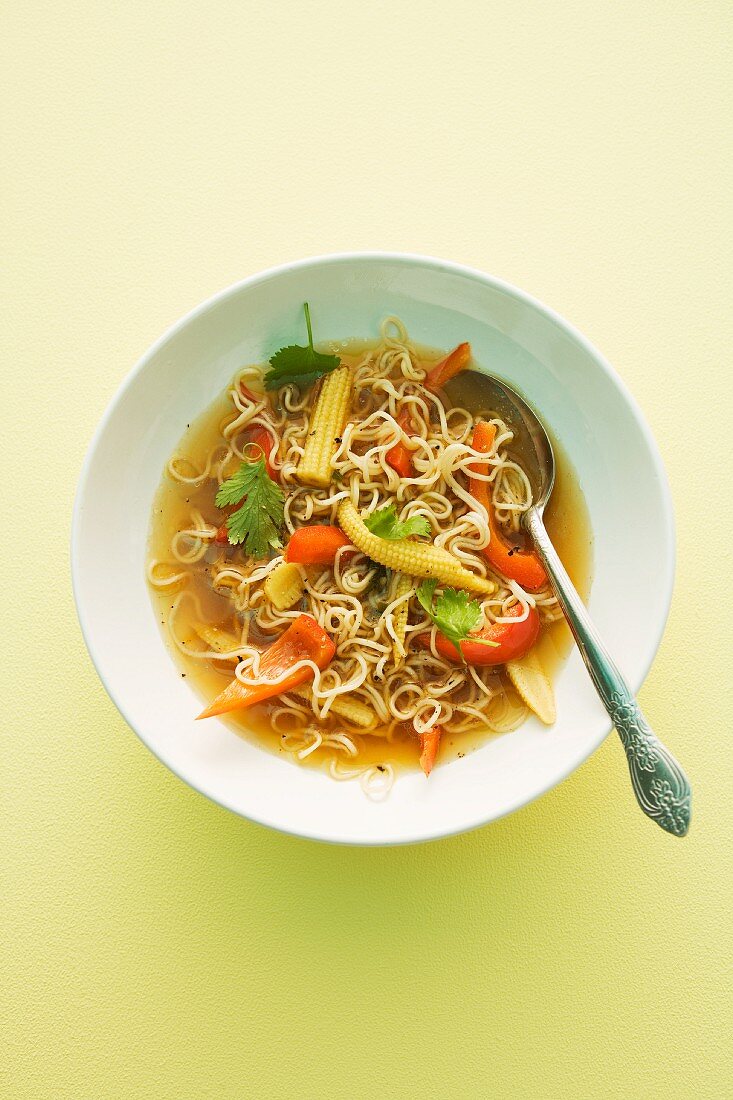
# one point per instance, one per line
(485, 396)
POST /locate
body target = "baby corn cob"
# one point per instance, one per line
(327, 422)
(414, 558)
(533, 686)
(359, 714)
(402, 585)
(284, 586)
(221, 641)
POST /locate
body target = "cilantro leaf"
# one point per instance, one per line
(297, 364)
(257, 524)
(385, 525)
(454, 614)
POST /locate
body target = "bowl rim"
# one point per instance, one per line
(376, 256)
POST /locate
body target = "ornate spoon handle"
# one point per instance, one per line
(661, 787)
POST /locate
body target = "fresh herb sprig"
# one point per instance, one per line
(302, 365)
(385, 525)
(257, 524)
(454, 614)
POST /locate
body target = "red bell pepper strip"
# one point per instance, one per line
(399, 457)
(429, 744)
(316, 545)
(513, 641)
(456, 361)
(262, 438)
(303, 640)
(221, 538)
(258, 434)
(522, 566)
(250, 395)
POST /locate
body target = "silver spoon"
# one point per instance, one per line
(660, 785)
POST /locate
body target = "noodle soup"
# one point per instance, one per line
(363, 474)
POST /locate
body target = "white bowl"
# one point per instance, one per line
(579, 396)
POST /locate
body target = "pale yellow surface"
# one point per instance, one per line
(156, 946)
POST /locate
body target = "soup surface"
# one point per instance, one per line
(410, 686)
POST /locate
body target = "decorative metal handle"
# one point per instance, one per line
(660, 785)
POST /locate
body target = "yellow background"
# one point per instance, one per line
(156, 946)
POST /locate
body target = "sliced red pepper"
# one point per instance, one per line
(514, 562)
(258, 433)
(315, 545)
(303, 640)
(249, 394)
(399, 457)
(221, 538)
(429, 745)
(456, 361)
(514, 640)
(262, 438)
